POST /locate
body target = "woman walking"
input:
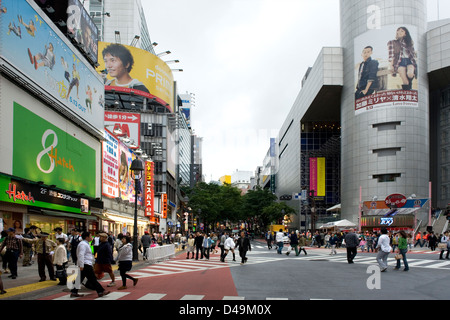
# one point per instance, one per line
(190, 246)
(444, 245)
(125, 259)
(402, 249)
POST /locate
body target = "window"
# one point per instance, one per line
(387, 125)
(392, 177)
(385, 152)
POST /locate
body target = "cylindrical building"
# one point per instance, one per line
(385, 103)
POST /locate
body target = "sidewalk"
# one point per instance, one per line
(28, 277)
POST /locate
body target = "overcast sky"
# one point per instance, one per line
(244, 61)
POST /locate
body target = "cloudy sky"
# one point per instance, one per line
(244, 61)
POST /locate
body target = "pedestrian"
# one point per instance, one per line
(198, 240)
(104, 259)
(125, 258)
(302, 244)
(96, 243)
(229, 245)
(279, 239)
(395, 241)
(269, 239)
(27, 248)
(14, 251)
(418, 240)
(293, 243)
(190, 246)
(432, 241)
(351, 243)
(402, 249)
(60, 261)
(444, 245)
(222, 239)
(2, 289)
(206, 245)
(44, 249)
(146, 241)
(85, 261)
(362, 243)
(384, 250)
(118, 242)
(333, 242)
(370, 242)
(244, 245)
(74, 240)
(318, 239)
(214, 240)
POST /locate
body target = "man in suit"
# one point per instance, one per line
(367, 75)
(198, 243)
(244, 245)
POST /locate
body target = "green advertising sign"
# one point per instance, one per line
(43, 152)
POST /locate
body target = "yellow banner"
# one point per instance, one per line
(321, 177)
(125, 68)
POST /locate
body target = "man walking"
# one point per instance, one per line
(85, 261)
(269, 239)
(146, 241)
(385, 249)
(244, 245)
(198, 242)
(351, 243)
(279, 239)
(104, 259)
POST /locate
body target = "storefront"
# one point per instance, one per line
(23, 204)
(393, 224)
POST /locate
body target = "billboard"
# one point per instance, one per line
(117, 180)
(386, 66)
(34, 49)
(110, 176)
(317, 176)
(44, 152)
(129, 123)
(128, 69)
(72, 19)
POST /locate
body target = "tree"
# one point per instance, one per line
(276, 211)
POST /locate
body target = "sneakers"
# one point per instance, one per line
(76, 295)
(111, 284)
(122, 288)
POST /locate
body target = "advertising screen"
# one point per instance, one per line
(386, 65)
(129, 69)
(44, 152)
(38, 52)
(317, 176)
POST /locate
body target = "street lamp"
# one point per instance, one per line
(136, 169)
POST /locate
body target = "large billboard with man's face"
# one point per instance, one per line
(129, 69)
(386, 68)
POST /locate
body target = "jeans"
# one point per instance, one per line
(280, 247)
(405, 262)
(382, 259)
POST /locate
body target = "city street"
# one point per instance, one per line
(270, 276)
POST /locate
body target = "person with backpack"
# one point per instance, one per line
(74, 240)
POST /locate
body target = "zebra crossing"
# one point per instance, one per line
(182, 266)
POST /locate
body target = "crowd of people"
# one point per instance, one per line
(93, 254)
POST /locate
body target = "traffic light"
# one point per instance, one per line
(286, 197)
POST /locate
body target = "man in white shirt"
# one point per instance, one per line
(279, 239)
(384, 249)
(85, 263)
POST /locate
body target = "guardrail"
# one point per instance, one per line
(160, 253)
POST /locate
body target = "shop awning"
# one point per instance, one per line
(67, 214)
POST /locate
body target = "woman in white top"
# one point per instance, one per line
(60, 260)
(229, 246)
(125, 258)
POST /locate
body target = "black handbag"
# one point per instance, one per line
(61, 274)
